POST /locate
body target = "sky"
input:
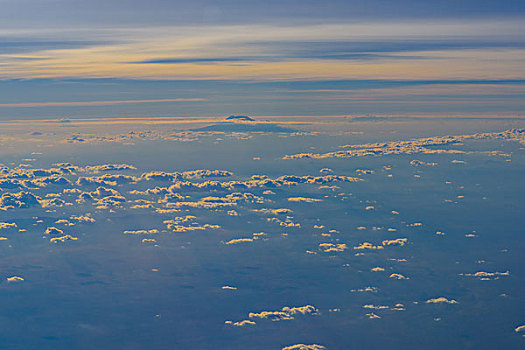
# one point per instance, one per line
(174, 58)
(373, 198)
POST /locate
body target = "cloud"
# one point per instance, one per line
(240, 323)
(285, 223)
(333, 50)
(396, 307)
(256, 181)
(30, 173)
(106, 180)
(106, 197)
(361, 172)
(63, 239)
(286, 313)
(206, 203)
(7, 225)
(141, 232)
(71, 191)
(82, 218)
(426, 145)
(422, 145)
(94, 103)
(106, 167)
(377, 269)
(50, 180)
(18, 200)
(102, 192)
(486, 276)
(367, 245)
(255, 236)
(239, 240)
(304, 200)
(330, 247)
(304, 347)
(187, 223)
(203, 60)
(53, 231)
(365, 290)
(417, 163)
(156, 191)
(398, 276)
(14, 279)
(186, 175)
(229, 288)
(376, 307)
(109, 202)
(12, 184)
(441, 300)
(278, 211)
(54, 202)
(398, 242)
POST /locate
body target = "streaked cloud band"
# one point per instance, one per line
(96, 103)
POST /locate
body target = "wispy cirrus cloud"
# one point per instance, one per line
(296, 67)
(444, 49)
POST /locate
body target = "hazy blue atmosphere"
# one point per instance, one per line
(414, 242)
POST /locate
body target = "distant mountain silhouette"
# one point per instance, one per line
(245, 127)
(240, 117)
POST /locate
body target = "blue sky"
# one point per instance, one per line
(203, 12)
(272, 58)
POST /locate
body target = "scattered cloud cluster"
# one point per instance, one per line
(240, 323)
(7, 225)
(141, 232)
(418, 163)
(187, 223)
(304, 200)
(398, 276)
(63, 239)
(365, 290)
(368, 245)
(61, 199)
(255, 236)
(286, 313)
(331, 247)
(486, 276)
(396, 307)
(426, 145)
(53, 231)
(18, 200)
(441, 300)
